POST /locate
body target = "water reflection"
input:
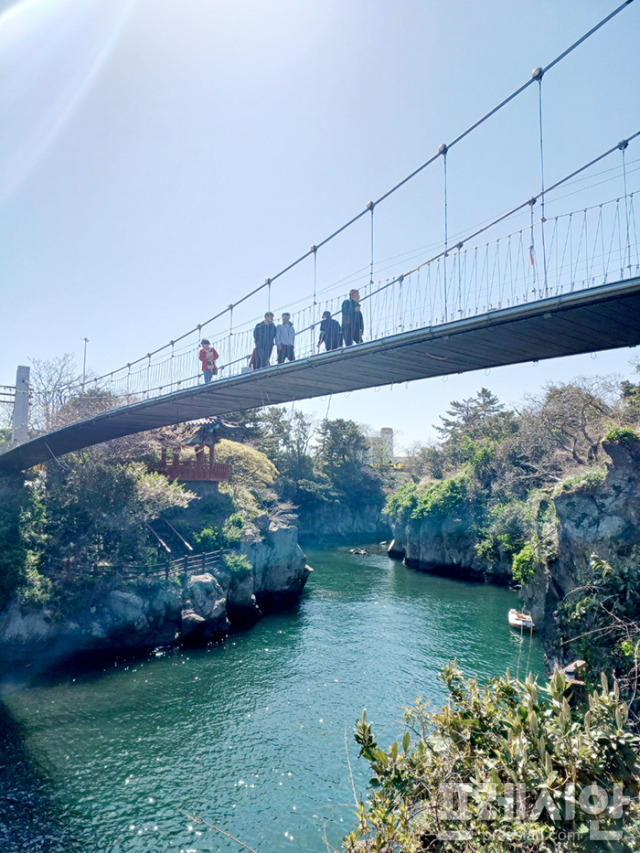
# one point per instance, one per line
(30, 819)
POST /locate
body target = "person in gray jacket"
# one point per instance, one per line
(285, 337)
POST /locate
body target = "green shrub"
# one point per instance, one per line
(401, 504)
(525, 563)
(581, 482)
(505, 767)
(441, 498)
(210, 538)
(238, 564)
(232, 530)
(616, 433)
(413, 502)
(599, 620)
(509, 526)
(37, 590)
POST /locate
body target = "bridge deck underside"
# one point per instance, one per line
(602, 318)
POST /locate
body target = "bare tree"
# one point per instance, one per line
(572, 417)
(51, 383)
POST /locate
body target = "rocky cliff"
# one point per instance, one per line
(444, 544)
(601, 518)
(593, 515)
(149, 613)
(343, 523)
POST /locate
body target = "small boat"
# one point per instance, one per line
(518, 619)
(574, 672)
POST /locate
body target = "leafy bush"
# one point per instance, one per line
(210, 538)
(441, 498)
(252, 476)
(616, 433)
(232, 530)
(525, 563)
(599, 620)
(510, 524)
(505, 767)
(581, 482)
(401, 504)
(37, 590)
(238, 564)
(413, 502)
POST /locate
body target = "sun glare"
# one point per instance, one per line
(53, 50)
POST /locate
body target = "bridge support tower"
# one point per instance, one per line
(21, 406)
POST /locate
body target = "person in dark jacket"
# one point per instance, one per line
(358, 325)
(330, 332)
(264, 335)
(352, 320)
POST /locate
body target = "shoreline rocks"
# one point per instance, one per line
(446, 546)
(148, 613)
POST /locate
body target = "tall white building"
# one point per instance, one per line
(386, 434)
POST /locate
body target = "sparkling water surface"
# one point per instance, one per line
(252, 733)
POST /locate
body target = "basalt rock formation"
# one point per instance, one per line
(445, 544)
(602, 519)
(148, 613)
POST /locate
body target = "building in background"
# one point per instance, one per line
(386, 435)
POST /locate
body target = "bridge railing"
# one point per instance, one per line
(180, 569)
(537, 259)
(568, 252)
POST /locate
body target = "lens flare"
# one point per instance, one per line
(52, 52)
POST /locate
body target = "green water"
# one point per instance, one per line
(249, 733)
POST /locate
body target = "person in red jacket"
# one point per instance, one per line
(208, 357)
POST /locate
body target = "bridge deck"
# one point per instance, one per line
(604, 317)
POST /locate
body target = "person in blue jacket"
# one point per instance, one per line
(352, 319)
(264, 336)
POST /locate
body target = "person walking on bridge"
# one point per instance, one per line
(208, 357)
(264, 335)
(330, 332)
(285, 337)
(352, 319)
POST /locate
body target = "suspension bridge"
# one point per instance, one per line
(541, 280)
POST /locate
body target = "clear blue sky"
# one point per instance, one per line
(160, 158)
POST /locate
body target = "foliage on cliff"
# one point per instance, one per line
(74, 522)
(502, 468)
(599, 622)
(252, 475)
(88, 513)
(505, 767)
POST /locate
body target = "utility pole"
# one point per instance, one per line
(84, 362)
(20, 432)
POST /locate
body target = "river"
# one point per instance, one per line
(251, 733)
